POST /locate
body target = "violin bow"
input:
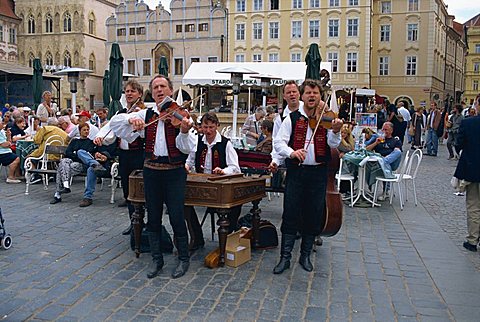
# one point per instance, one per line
(131, 109)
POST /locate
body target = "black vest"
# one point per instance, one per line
(219, 148)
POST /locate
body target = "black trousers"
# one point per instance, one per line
(129, 160)
(304, 200)
(165, 186)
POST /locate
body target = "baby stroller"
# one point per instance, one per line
(5, 239)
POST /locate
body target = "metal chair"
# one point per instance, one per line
(411, 173)
(345, 177)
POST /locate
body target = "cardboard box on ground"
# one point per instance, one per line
(237, 250)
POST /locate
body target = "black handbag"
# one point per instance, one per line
(268, 237)
(166, 244)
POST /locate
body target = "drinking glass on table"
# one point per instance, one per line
(381, 136)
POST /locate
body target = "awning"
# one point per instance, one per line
(204, 74)
(16, 69)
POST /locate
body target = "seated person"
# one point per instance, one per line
(83, 118)
(99, 119)
(370, 136)
(7, 157)
(213, 154)
(18, 132)
(81, 155)
(251, 127)
(265, 146)
(32, 130)
(66, 124)
(348, 142)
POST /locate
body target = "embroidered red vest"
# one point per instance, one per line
(219, 155)
(299, 135)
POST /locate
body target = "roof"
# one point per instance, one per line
(473, 22)
(205, 73)
(458, 27)
(16, 69)
(6, 9)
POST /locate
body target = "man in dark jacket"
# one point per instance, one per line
(467, 169)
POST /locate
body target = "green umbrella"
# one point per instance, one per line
(163, 66)
(106, 88)
(313, 60)
(37, 82)
(116, 72)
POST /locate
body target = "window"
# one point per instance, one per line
(386, 7)
(353, 2)
(411, 66)
(178, 28)
(240, 32)
(48, 23)
(141, 31)
(273, 30)
(334, 3)
(131, 67)
(273, 57)
(385, 33)
(91, 62)
(257, 58)
(203, 26)
(67, 59)
(257, 30)
(194, 60)
(477, 48)
(412, 32)
(91, 24)
(147, 67)
(296, 57)
(31, 24)
(314, 28)
(352, 27)
(240, 58)
(475, 85)
(132, 31)
(333, 28)
(314, 3)
(241, 5)
(274, 5)
(1, 33)
(121, 32)
(257, 5)
(13, 36)
(67, 22)
(332, 57)
(31, 57)
(383, 65)
(352, 62)
(212, 59)
(412, 5)
(48, 58)
(296, 29)
(297, 4)
(476, 67)
(178, 62)
(190, 27)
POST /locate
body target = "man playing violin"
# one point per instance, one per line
(131, 155)
(307, 154)
(166, 150)
(213, 154)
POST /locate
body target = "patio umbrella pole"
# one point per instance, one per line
(351, 104)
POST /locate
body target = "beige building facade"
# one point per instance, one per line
(472, 70)
(194, 31)
(9, 23)
(67, 33)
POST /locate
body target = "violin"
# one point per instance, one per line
(325, 121)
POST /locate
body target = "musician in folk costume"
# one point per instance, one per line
(307, 153)
(164, 175)
(213, 154)
(130, 155)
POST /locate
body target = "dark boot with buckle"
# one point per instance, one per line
(288, 241)
(157, 256)
(183, 257)
(305, 251)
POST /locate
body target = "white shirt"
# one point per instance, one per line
(277, 123)
(76, 134)
(120, 126)
(106, 133)
(42, 111)
(230, 155)
(405, 113)
(283, 137)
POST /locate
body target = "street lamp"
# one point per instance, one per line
(73, 76)
(236, 78)
(265, 80)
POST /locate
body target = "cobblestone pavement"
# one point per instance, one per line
(72, 264)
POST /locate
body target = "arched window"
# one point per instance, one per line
(91, 62)
(31, 24)
(48, 23)
(48, 58)
(91, 23)
(67, 59)
(31, 57)
(67, 22)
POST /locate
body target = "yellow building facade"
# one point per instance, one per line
(472, 69)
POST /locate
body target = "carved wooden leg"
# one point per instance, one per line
(255, 211)
(223, 224)
(137, 222)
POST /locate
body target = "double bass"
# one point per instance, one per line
(333, 199)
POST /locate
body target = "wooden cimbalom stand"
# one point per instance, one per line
(221, 192)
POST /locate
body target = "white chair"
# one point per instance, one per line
(411, 173)
(394, 181)
(345, 177)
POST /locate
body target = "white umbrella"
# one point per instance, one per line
(180, 97)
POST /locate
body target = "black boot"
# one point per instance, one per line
(128, 230)
(183, 257)
(288, 241)
(305, 251)
(157, 257)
